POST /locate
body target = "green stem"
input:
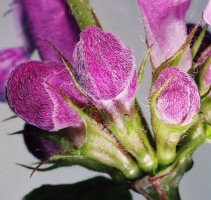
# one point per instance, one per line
(164, 185)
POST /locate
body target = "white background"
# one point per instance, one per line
(121, 17)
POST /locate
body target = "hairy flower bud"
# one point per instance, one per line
(105, 69)
(31, 98)
(165, 29)
(179, 101)
(175, 101)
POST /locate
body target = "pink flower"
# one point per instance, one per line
(165, 29)
(105, 69)
(37, 22)
(207, 13)
(31, 98)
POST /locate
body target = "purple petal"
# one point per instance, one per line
(179, 101)
(30, 97)
(38, 146)
(51, 20)
(165, 29)
(104, 67)
(9, 58)
(207, 13)
(22, 26)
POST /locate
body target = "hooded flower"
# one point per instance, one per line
(37, 22)
(31, 98)
(207, 15)
(179, 101)
(105, 69)
(165, 29)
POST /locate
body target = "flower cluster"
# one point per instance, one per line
(79, 101)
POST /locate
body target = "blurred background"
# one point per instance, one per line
(122, 18)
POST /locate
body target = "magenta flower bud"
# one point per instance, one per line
(165, 29)
(51, 20)
(31, 98)
(105, 68)
(179, 101)
(207, 11)
(40, 147)
(8, 59)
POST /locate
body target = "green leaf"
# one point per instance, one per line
(98, 188)
(83, 13)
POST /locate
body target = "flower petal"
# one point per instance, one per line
(9, 58)
(51, 20)
(104, 67)
(179, 101)
(207, 13)
(22, 26)
(30, 97)
(165, 29)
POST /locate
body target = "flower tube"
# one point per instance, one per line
(165, 29)
(207, 11)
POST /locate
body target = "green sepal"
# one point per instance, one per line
(198, 42)
(83, 13)
(175, 59)
(200, 78)
(101, 146)
(167, 136)
(143, 63)
(207, 132)
(206, 108)
(134, 138)
(68, 67)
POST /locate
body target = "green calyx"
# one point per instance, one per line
(133, 137)
(100, 145)
(206, 108)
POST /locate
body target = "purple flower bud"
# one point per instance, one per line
(31, 98)
(51, 20)
(165, 29)
(207, 11)
(8, 59)
(42, 148)
(105, 68)
(179, 101)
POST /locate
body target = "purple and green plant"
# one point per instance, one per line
(80, 103)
